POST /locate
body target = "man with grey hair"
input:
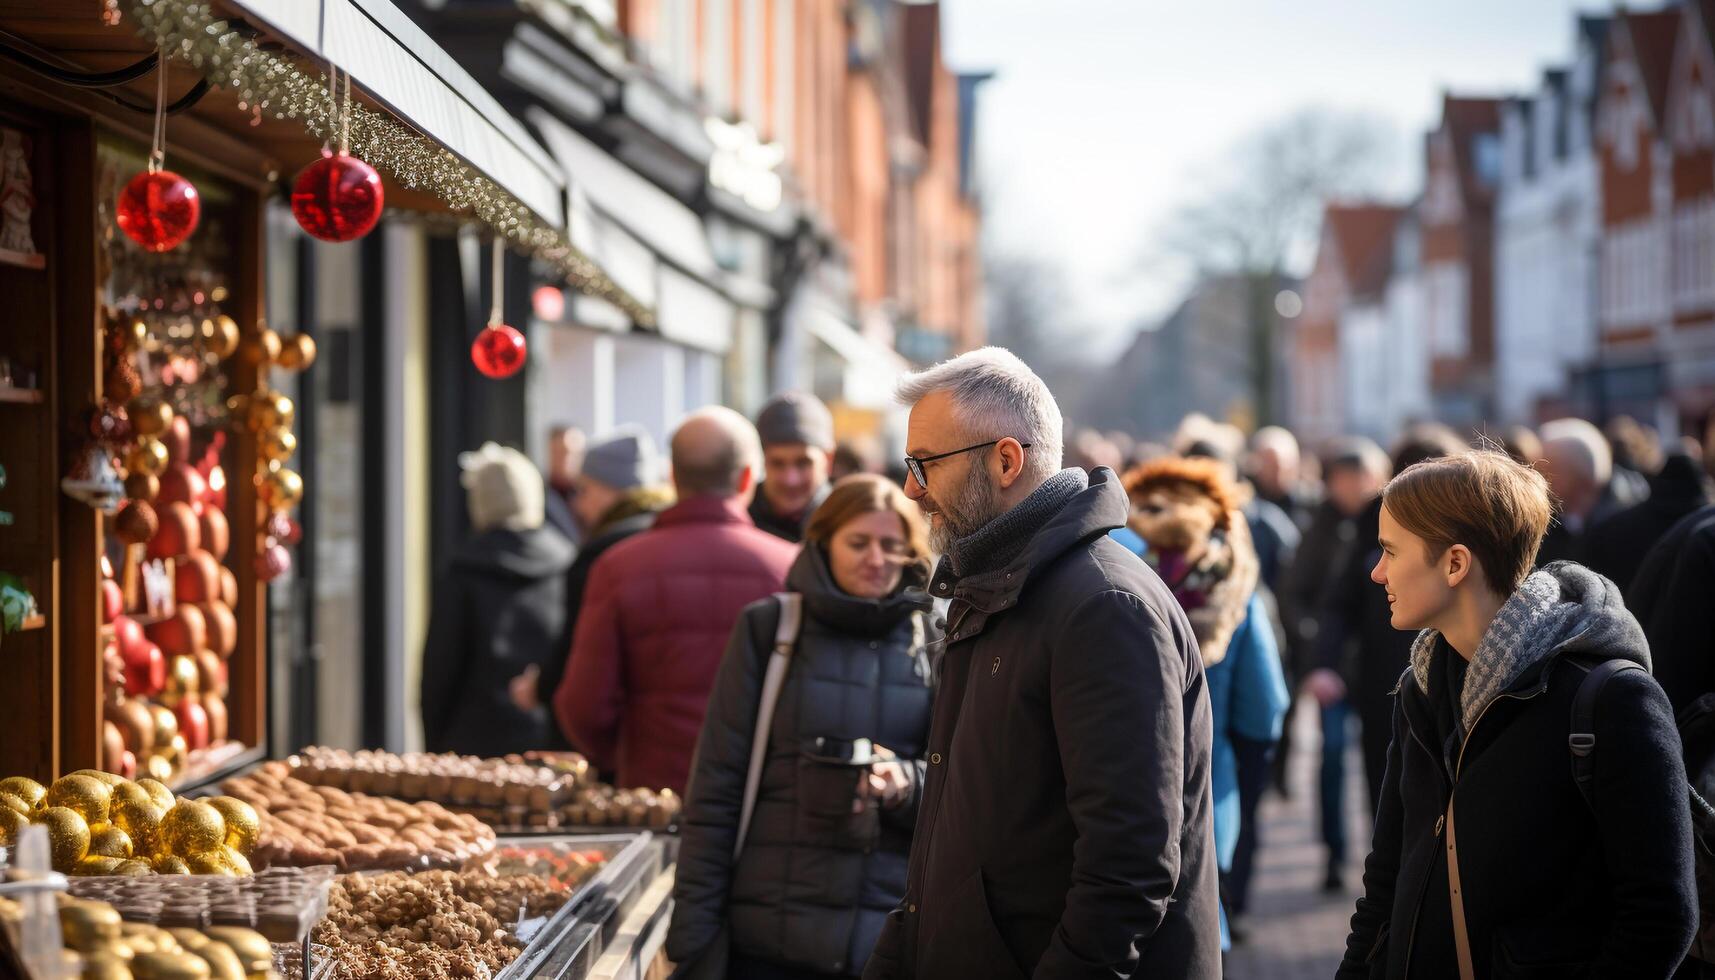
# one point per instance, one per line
(1579, 464)
(1065, 824)
(659, 605)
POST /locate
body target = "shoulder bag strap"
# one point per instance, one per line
(785, 639)
(1455, 894)
(1582, 738)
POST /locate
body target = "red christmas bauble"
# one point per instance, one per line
(273, 562)
(159, 210)
(498, 351)
(337, 198)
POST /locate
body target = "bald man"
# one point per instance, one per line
(659, 606)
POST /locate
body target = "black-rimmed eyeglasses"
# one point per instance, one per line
(914, 464)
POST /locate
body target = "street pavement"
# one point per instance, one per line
(1294, 930)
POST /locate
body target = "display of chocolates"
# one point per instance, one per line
(101, 944)
(307, 825)
(280, 903)
(100, 824)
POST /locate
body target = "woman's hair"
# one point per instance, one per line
(1483, 500)
(1201, 475)
(866, 493)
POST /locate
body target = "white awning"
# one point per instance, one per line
(871, 370)
(395, 63)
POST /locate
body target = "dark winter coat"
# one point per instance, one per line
(1552, 886)
(786, 528)
(1673, 596)
(1617, 546)
(1626, 488)
(1305, 590)
(499, 608)
(810, 890)
(1065, 826)
(656, 616)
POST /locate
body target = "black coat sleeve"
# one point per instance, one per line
(1116, 689)
(1642, 810)
(709, 825)
(444, 663)
(1368, 937)
(576, 578)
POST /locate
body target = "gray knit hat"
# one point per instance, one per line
(624, 459)
(794, 416)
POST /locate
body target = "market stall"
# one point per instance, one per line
(147, 498)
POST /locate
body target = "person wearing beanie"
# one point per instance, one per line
(499, 611)
(617, 494)
(797, 434)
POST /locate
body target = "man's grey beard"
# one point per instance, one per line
(965, 511)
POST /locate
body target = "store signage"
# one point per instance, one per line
(743, 165)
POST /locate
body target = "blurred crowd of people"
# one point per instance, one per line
(1110, 634)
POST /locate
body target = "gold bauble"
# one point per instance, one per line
(166, 726)
(133, 868)
(158, 790)
(178, 751)
(297, 352)
(160, 767)
(224, 340)
(236, 861)
(141, 821)
(12, 823)
(182, 681)
(15, 803)
(271, 410)
(148, 456)
(261, 349)
(107, 840)
(85, 794)
(68, 836)
(169, 966)
(222, 962)
(26, 789)
(278, 445)
(138, 334)
(85, 925)
(128, 793)
(150, 417)
(281, 489)
(238, 409)
(192, 827)
(106, 965)
(95, 864)
(209, 863)
(243, 826)
(252, 948)
(143, 486)
(112, 779)
(171, 864)
(189, 940)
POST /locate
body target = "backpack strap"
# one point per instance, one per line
(785, 640)
(1582, 738)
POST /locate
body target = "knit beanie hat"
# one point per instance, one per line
(794, 416)
(502, 488)
(624, 460)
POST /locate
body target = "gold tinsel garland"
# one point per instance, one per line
(272, 84)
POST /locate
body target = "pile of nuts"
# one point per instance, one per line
(306, 825)
(436, 924)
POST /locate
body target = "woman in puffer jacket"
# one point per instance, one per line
(824, 859)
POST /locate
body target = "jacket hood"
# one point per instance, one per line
(1562, 608)
(1216, 593)
(1100, 507)
(540, 552)
(825, 601)
(649, 500)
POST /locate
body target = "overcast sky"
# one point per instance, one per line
(1103, 111)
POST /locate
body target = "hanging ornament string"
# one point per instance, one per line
(498, 350)
(345, 119)
(338, 198)
(158, 209)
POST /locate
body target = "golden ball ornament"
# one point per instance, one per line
(297, 352)
(111, 779)
(143, 486)
(150, 417)
(271, 410)
(95, 865)
(225, 338)
(128, 794)
(171, 864)
(222, 962)
(178, 750)
(252, 948)
(68, 836)
(141, 822)
(192, 827)
(209, 863)
(278, 445)
(166, 726)
(133, 868)
(159, 767)
(86, 795)
(182, 681)
(149, 456)
(189, 940)
(238, 409)
(158, 790)
(282, 489)
(14, 803)
(26, 789)
(137, 334)
(261, 349)
(12, 823)
(243, 825)
(169, 966)
(235, 861)
(107, 840)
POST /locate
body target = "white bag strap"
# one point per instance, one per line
(785, 639)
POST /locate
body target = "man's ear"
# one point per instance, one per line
(1011, 456)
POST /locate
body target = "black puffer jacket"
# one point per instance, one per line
(1066, 824)
(500, 607)
(810, 890)
(1553, 886)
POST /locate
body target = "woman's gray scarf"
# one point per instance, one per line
(1532, 624)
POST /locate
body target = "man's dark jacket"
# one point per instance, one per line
(1616, 547)
(788, 528)
(1553, 886)
(1673, 596)
(1065, 827)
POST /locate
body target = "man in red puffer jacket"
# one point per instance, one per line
(660, 605)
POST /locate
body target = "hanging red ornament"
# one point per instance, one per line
(273, 562)
(337, 198)
(498, 351)
(159, 210)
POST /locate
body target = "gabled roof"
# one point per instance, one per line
(1653, 37)
(1364, 235)
(1467, 119)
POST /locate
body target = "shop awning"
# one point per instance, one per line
(401, 68)
(871, 371)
